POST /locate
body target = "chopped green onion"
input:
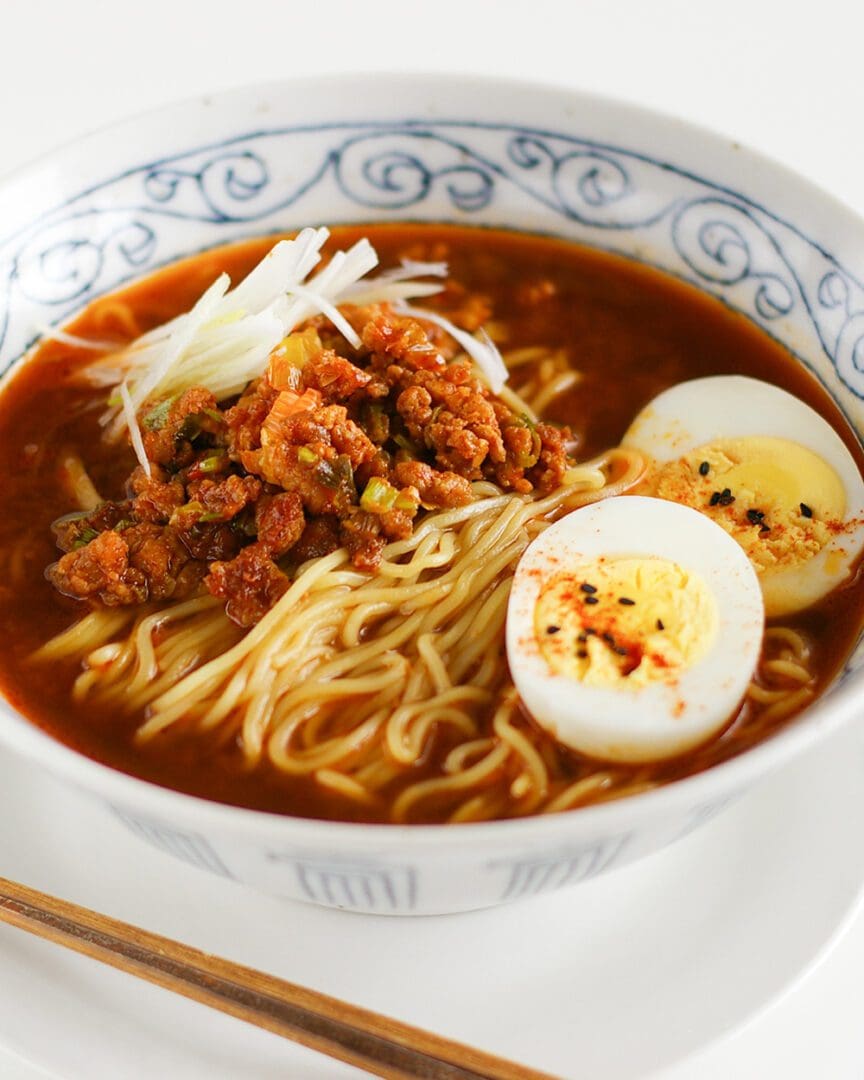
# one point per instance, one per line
(87, 534)
(158, 415)
(378, 496)
(187, 516)
(406, 501)
(306, 456)
(212, 463)
(190, 428)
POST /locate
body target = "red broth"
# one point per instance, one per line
(630, 331)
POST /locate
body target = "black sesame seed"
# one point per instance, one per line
(703, 468)
(715, 498)
(581, 654)
(590, 589)
(591, 600)
(589, 630)
(660, 625)
(726, 497)
(620, 650)
(806, 511)
(552, 629)
(609, 638)
(755, 517)
(764, 529)
(626, 601)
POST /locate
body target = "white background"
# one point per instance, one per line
(784, 78)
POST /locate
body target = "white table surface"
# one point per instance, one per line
(783, 77)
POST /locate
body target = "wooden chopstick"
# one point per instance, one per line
(369, 1040)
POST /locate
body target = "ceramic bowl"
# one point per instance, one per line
(121, 202)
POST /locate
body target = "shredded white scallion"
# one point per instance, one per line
(343, 270)
(398, 283)
(134, 430)
(224, 341)
(322, 304)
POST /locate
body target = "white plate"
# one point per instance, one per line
(610, 979)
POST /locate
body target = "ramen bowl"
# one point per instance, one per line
(252, 162)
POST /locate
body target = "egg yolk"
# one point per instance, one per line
(779, 500)
(625, 622)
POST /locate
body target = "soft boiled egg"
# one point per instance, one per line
(767, 469)
(633, 628)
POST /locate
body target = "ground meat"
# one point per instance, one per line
(209, 541)
(303, 429)
(376, 389)
(156, 496)
(280, 522)
(415, 408)
(361, 535)
(325, 487)
(344, 435)
(143, 562)
(395, 338)
(376, 466)
(244, 420)
(521, 443)
(450, 414)
(435, 488)
(98, 568)
(168, 440)
(158, 555)
(335, 377)
(224, 500)
(250, 585)
(320, 537)
(549, 471)
(314, 454)
(230, 492)
(398, 524)
(74, 530)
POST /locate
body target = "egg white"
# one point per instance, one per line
(695, 413)
(661, 719)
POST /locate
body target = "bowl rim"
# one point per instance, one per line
(719, 782)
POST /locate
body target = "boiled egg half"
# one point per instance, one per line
(768, 470)
(634, 626)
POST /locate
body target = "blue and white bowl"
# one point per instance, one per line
(123, 202)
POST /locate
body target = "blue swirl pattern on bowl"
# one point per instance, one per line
(608, 196)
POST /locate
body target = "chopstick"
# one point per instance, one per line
(381, 1045)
